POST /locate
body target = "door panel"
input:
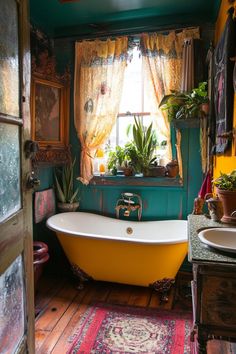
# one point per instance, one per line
(10, 195)
(12, 314)
(16, 246)
(9, 67)
(11, 240)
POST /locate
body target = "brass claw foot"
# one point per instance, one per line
(162, 287)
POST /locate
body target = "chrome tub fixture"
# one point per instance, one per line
(129, 202)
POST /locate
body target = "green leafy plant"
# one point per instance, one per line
(172, 103)
(226, 181)
(118, 157)
(181, 105)
(141, 149)
(138, 154)
(64, 178)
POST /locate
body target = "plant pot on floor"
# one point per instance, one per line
(66, 207)
(228, 199)
(41, 256)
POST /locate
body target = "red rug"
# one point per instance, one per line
(110, 329)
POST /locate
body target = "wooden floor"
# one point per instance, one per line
(59, 305)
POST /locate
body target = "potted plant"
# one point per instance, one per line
(115, 159)
(173, 103)
(185, 105)
(198, 102)
(141, 150)
(64, 179)
(226, 190)
(120, 160)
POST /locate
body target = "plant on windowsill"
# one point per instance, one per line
(226, 190)
(64, 180)
(119, 160)
(186, 105)
(141, 149)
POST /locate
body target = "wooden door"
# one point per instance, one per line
(16, 264)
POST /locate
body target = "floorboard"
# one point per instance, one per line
(56, 308)
(61, 306)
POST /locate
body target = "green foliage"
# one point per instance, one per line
(64, 183)
(143, 146)
(226, 181)
(172, 103)
(185, 105)
(200, 93)
(139, 152)
(117, 157)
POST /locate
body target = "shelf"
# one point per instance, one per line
(186, 123)
(136, 181)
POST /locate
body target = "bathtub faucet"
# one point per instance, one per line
(129, 202)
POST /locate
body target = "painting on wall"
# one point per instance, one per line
(49, 112)
(47, 117)
(50, 102)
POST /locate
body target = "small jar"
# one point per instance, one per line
(215, 207)
(172, 168)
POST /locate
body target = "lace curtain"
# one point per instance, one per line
(163, 66)
(98, 83)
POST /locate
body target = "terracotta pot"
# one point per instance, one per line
(128, 171)
(205, 108)
(66, 207)
(41, 256)
(228, 199)
(172, 168)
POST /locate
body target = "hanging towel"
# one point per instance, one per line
(44, 205)
(206, 187)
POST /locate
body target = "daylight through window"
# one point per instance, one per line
(136, 102)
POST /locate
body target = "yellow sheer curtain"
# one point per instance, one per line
(162, 55)
(98, 82)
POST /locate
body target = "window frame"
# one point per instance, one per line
(138, 179)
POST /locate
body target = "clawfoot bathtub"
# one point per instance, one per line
(130, 252)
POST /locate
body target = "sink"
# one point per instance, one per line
(221, 238)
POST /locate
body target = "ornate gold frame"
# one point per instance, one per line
(51, 150)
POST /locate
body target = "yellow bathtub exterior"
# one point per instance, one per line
(123, 262)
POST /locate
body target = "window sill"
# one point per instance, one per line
(136, 181)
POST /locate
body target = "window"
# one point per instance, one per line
(136, 101)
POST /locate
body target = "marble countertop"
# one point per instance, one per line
(200, 253)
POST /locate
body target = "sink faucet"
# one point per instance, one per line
(129, 202)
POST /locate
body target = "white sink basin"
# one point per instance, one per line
(221, 238)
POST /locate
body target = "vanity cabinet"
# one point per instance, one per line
(214, 304)
(213, 289)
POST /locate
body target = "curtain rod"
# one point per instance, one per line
(129, 32)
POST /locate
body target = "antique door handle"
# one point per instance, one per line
(32, 181)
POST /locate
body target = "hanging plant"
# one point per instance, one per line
(180, 105)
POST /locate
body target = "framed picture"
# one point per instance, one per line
(50, 118)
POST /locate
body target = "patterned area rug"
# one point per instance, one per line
(110, 329)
